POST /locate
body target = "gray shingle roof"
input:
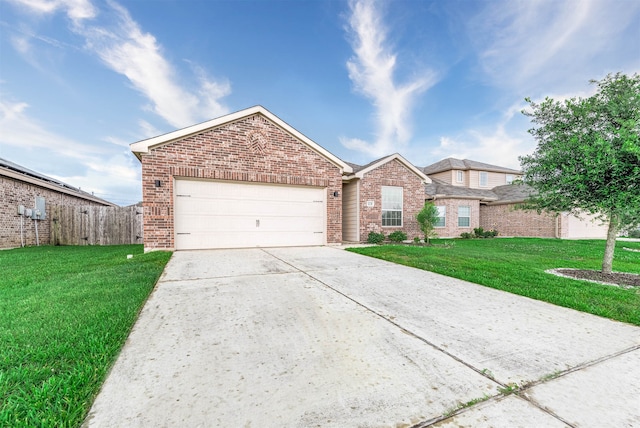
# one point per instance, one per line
(357, 167)
(508, 193)
(442, 189)
(465, 164)
(513, 192)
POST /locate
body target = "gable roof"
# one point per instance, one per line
(465, 164)
(19, 172)
(359, 171)
(505, 194)
(144, 146)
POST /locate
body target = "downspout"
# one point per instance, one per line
(37, 238)
(22, 229)
(558, 226)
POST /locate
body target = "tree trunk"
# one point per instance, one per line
(607, 262)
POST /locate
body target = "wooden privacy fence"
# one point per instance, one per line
(95, 225)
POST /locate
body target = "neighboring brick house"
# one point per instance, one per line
(383, 196)
(247, 179)
(472, 194)
(22, 187)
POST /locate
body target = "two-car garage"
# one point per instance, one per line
(243, 180)
(217, 214)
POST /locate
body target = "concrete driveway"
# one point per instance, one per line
(320, 337)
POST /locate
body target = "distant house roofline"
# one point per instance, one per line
(20, 173)
(450, 164)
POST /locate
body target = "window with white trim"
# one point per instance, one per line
(509, 178)
(484, 179)
(464, 216)
(442, 217)
(459, 177)
(391, 206)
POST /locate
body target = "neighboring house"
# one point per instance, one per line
(472, 194)
(382, 196)
(248, 179)
(471, 174)
(32, 193)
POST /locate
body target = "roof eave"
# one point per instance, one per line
(51, 186)
(143, 146)
(397, 156)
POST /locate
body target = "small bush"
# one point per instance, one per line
(479, 232)
(375, 238)
(398, 236)
(416, 240)
(634, 233)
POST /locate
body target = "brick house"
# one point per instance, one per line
(472, 194)
(383, 196)
(246, 179)
(35, 193)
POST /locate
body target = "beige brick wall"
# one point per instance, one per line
(252, 149)
(451, 228)
(15, 192)
(393, 173)
(509, 221)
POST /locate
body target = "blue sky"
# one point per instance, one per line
(80, 80)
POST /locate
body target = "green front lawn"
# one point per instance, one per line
(65, 312)
(518, 265)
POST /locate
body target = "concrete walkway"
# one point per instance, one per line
(320, 337)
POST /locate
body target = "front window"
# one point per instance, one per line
(464, 216)
(509, 178)
(459, 176)
(391, 206)
(484, 179)
(442, 217)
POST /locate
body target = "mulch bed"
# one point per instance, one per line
(616, 278)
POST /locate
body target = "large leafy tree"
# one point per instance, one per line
(588, 156)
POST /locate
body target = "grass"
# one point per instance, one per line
(518, 265)
(65, 312)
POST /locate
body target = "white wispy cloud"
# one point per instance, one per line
(104, 169)
(20, 130)
(371, 70)
(541, 46)
(127, 49)
(77, 10)
(498, 144)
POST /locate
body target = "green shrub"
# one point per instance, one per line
(479, 232)
(398, 236)
(375, 238)
(416, 240)
(634, 233)
(466, 235)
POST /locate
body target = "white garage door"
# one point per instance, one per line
(213, 214)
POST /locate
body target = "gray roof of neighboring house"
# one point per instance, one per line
(449, 164)
(442, 189)
(508, 193)
(513, 192)
(49, 182)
